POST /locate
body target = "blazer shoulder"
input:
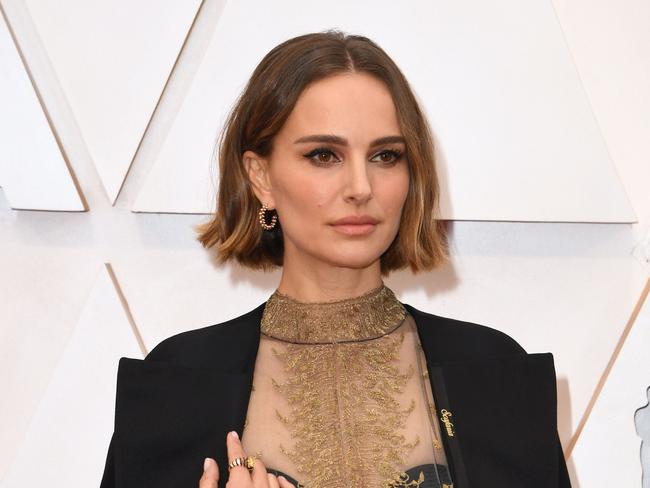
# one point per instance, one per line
(191, 345)
(464, 336)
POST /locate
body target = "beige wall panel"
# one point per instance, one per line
(610, 43)
(170, 291)
(112, 60)
(42, 293)
(33, 173)
(71, 429)
(610, 440)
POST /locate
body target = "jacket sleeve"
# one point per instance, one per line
(108, 479)
(498, 419)
(160, 352)
(168, 418)
(563, 474)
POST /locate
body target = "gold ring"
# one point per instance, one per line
(246, 462)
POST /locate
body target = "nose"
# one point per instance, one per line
(358, 188)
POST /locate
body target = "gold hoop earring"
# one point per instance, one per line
(262, 218)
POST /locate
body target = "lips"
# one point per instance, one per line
(356, 220)
(355, 225)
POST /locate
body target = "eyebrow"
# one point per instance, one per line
(342, 141)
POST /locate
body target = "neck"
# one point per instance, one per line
(309, 280)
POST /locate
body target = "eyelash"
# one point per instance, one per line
(397, 155)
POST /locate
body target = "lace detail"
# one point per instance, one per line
(342, 390)
(368, 316)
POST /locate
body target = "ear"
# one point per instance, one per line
(258, 174)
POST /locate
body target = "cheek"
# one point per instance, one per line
(392, 193)
(305, 197)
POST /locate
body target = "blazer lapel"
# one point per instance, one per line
(495, 404)
(431, 342)
(175, 407)
(237, 353)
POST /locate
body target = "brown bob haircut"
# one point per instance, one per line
(260, 112)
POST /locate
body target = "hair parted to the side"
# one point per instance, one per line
(260, 112)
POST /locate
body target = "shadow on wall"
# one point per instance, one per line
(564, 426)
(4, 204)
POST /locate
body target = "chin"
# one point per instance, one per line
(347, 253)
(359, 260)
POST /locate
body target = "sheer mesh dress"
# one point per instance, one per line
(341, 396)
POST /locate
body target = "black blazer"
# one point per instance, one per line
(175, 407)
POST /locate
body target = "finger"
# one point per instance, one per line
(273, 481)
(285, 483)
(210, 474)
(259, 473)
(238, 474)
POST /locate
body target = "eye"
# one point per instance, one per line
(315, 156)
(392, 155)
(322, 156)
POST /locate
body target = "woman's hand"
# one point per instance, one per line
(239, 476)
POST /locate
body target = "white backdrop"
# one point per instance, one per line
(109, 111)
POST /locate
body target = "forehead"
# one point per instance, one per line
(354, 105)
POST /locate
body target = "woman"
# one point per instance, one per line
(327, 170)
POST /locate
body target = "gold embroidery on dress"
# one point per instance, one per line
(368, 316)
(342, 390)
(405, 481)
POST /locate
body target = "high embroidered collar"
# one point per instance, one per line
(368, 316)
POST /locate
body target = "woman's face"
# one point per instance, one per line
(328, 163)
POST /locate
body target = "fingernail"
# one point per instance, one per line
(206, 464)
(234, 434)
(282, 478)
